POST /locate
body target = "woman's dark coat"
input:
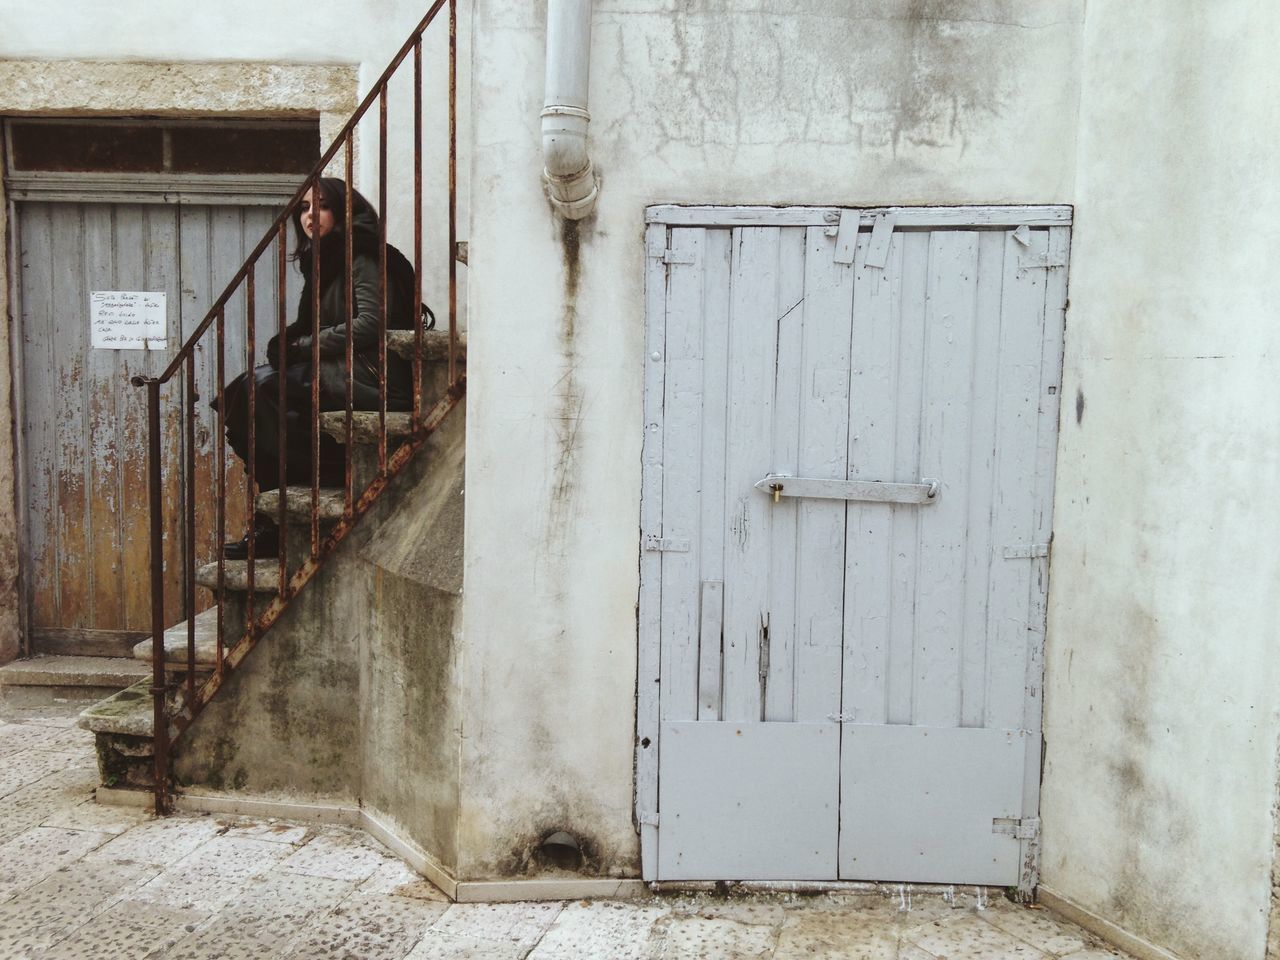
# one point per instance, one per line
(365, 271)
(297, 372)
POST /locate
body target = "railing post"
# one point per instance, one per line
(453, 193)
(159, 709)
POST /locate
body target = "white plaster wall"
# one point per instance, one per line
(772, 101)
(1161, 669)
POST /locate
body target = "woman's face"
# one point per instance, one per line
(315, 215)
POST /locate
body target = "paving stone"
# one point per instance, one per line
(264, 915)
(970, 937)
(1096, 953)
(31, 856)
(521, 924)
(716, 938)
(620, 931)
(395, 878)
(446, 946)
(27, 766)
(159, 840)
(48, 802)
(277, 831)
(22, 736)
(88, 814)
(767, 911)
(69, 897)
(127, 931)
(339, 855)
(366, 928)
(212, 874)
(843, 934)
(1039, 928)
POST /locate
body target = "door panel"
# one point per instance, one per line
(85, 433)
(909, 632)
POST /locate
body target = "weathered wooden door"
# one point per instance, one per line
(846, 512)
(84, 427)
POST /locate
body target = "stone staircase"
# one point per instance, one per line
(123, 722)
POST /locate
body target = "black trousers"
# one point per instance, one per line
(296, 415)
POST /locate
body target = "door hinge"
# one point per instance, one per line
(841, 717)
(1028, 829)
(1026, 551)
(668, 544)
(670, 256)
(647, 818)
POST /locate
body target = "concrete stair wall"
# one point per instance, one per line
(348, 698)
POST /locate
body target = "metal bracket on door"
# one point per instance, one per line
(872, 491)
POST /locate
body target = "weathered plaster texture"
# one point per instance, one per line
(9, 598)
(1161, 665)
(708, 102)
(352, 696)
(410, 703)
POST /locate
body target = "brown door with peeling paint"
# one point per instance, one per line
(86, 564)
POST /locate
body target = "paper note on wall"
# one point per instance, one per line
(127, 320)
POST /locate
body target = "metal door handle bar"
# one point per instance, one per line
(873, 491)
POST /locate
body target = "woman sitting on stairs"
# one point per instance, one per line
(319, 219)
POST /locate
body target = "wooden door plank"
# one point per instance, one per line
(102, 461)
(752, 354)
(650, 602)
(70, 349)
(908, 389)
(869, 561)
(822, 452)
(944, 454)
(778, 666)
(1046, 457)
(36, 223)
(715, 363)
(1021, 359)
(981, 485)
(682, 444)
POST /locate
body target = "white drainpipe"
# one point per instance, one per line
(570, 178)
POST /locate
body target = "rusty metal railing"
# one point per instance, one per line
(176, 704)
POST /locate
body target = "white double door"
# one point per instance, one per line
(848, 478)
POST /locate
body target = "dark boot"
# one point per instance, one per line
(266, 542)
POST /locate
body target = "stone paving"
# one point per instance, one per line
(83, 880)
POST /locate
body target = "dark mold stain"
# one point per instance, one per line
(1079, 406)
(567, 417)
(531, 855)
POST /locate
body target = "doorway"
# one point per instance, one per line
(101, 208)
(850, 427)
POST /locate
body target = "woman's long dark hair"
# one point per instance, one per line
(333, 192)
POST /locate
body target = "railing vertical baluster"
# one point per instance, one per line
(221, 501)
(417, 233)
(281, 400)
(159, 711)
(250, 463)
(189, 496)
(382, 282)
(348, 479)
(453, 193)
(168, 723)
(315, 368)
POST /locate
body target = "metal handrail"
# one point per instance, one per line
(171, 720)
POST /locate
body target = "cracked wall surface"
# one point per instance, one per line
(698, 101)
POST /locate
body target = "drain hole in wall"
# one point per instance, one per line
(560, 850)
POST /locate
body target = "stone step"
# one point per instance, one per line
(297, 504)
(266, 575)
(364, 426)
(128, 713)
(44, 679)
(175, 641)
(435, 344)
